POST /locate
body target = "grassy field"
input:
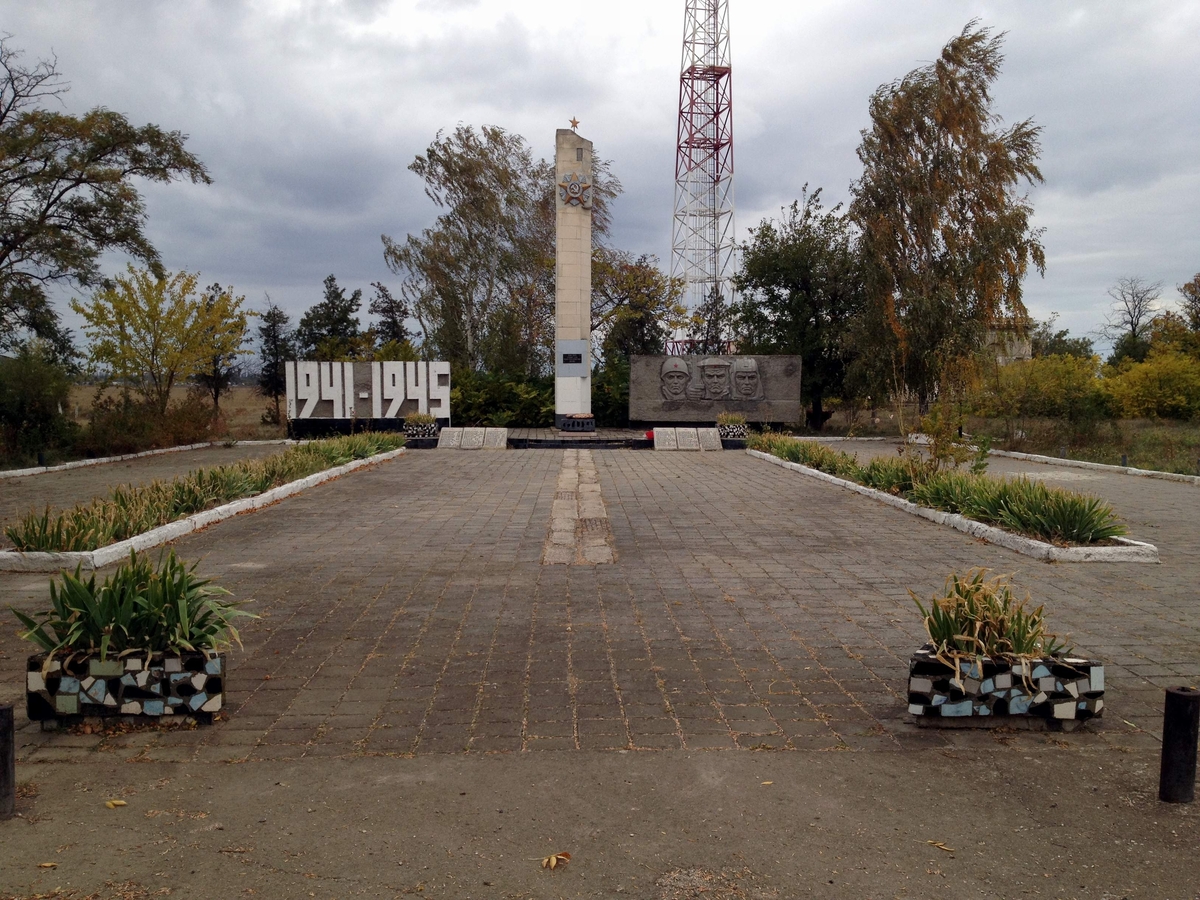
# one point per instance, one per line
(241, 411)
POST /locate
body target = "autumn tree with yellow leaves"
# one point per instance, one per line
(155, 333)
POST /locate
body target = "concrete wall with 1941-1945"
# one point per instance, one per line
(328, 397)
(699, 388)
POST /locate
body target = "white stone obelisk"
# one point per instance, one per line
(572, 277)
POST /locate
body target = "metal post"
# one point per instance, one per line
(1181, 721)
(1062, 452)
(1124, 460)
(8, 764)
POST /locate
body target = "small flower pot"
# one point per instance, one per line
(1056, 689)
(137, 684)
(733, 432)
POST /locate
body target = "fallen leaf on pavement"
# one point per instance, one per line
(47, 865)
(555, 860)
(940, 845)
(113, 804)
(768, 782)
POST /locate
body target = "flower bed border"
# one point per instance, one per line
(1128, 551)
(17, 561)
(1104, 467)
(102, 460)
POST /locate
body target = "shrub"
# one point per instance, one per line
(34, 390)
(133, 509)
(124, 425)
(731, 418)
(488, 400)
(1064, 388)
(1165, 386)
(137, 609)
(895, 476)
(419, 418)
(980, 616)
(610, 393)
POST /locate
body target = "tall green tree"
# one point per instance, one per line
(635, 305)
(222, 368)
(392, 313)
(801, 286)
(69, 193)
(155, 333)
(945, 233)
(1045, 341)
(330, 329)
(275, 347)
(480, 282)
(710, 327)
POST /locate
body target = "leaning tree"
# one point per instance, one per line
(946, 234)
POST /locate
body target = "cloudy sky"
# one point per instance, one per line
(307, 113)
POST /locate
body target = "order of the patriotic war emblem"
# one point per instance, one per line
(573, 190)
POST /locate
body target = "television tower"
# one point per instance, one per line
(702, 233)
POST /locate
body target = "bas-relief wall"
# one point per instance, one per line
(367, 390)
(698, 388)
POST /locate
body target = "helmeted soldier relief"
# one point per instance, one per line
(747, 385)
(675, 376)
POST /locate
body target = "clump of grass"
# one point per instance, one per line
(980, 616)
(139, 608)
(133, 509)
(1022, 505)
(730, 418)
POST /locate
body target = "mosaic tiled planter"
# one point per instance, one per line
(421, 430)
(733, 432)
(1050, 688)
(136, 685)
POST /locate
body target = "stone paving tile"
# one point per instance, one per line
(405, 610)
(67, 488)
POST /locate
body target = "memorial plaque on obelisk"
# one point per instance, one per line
(573, 282)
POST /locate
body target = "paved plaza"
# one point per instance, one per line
(730, 657)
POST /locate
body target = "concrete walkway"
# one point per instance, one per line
(426, 705)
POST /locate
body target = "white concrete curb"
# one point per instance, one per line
(1129, 551)
(1081, 464)
(16, 561)
(99, 461)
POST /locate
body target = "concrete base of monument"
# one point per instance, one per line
(575, 422)
(303, 429)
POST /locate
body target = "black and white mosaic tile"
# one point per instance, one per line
(1049, 687)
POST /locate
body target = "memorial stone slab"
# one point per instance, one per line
(472, 438)
(450, 439)
(664, 439)
(687, 439)
(495, 439)
(697, 389)
(710, 438)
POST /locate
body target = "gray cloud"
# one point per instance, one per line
(308, 112)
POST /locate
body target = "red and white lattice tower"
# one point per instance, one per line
(702, 233)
